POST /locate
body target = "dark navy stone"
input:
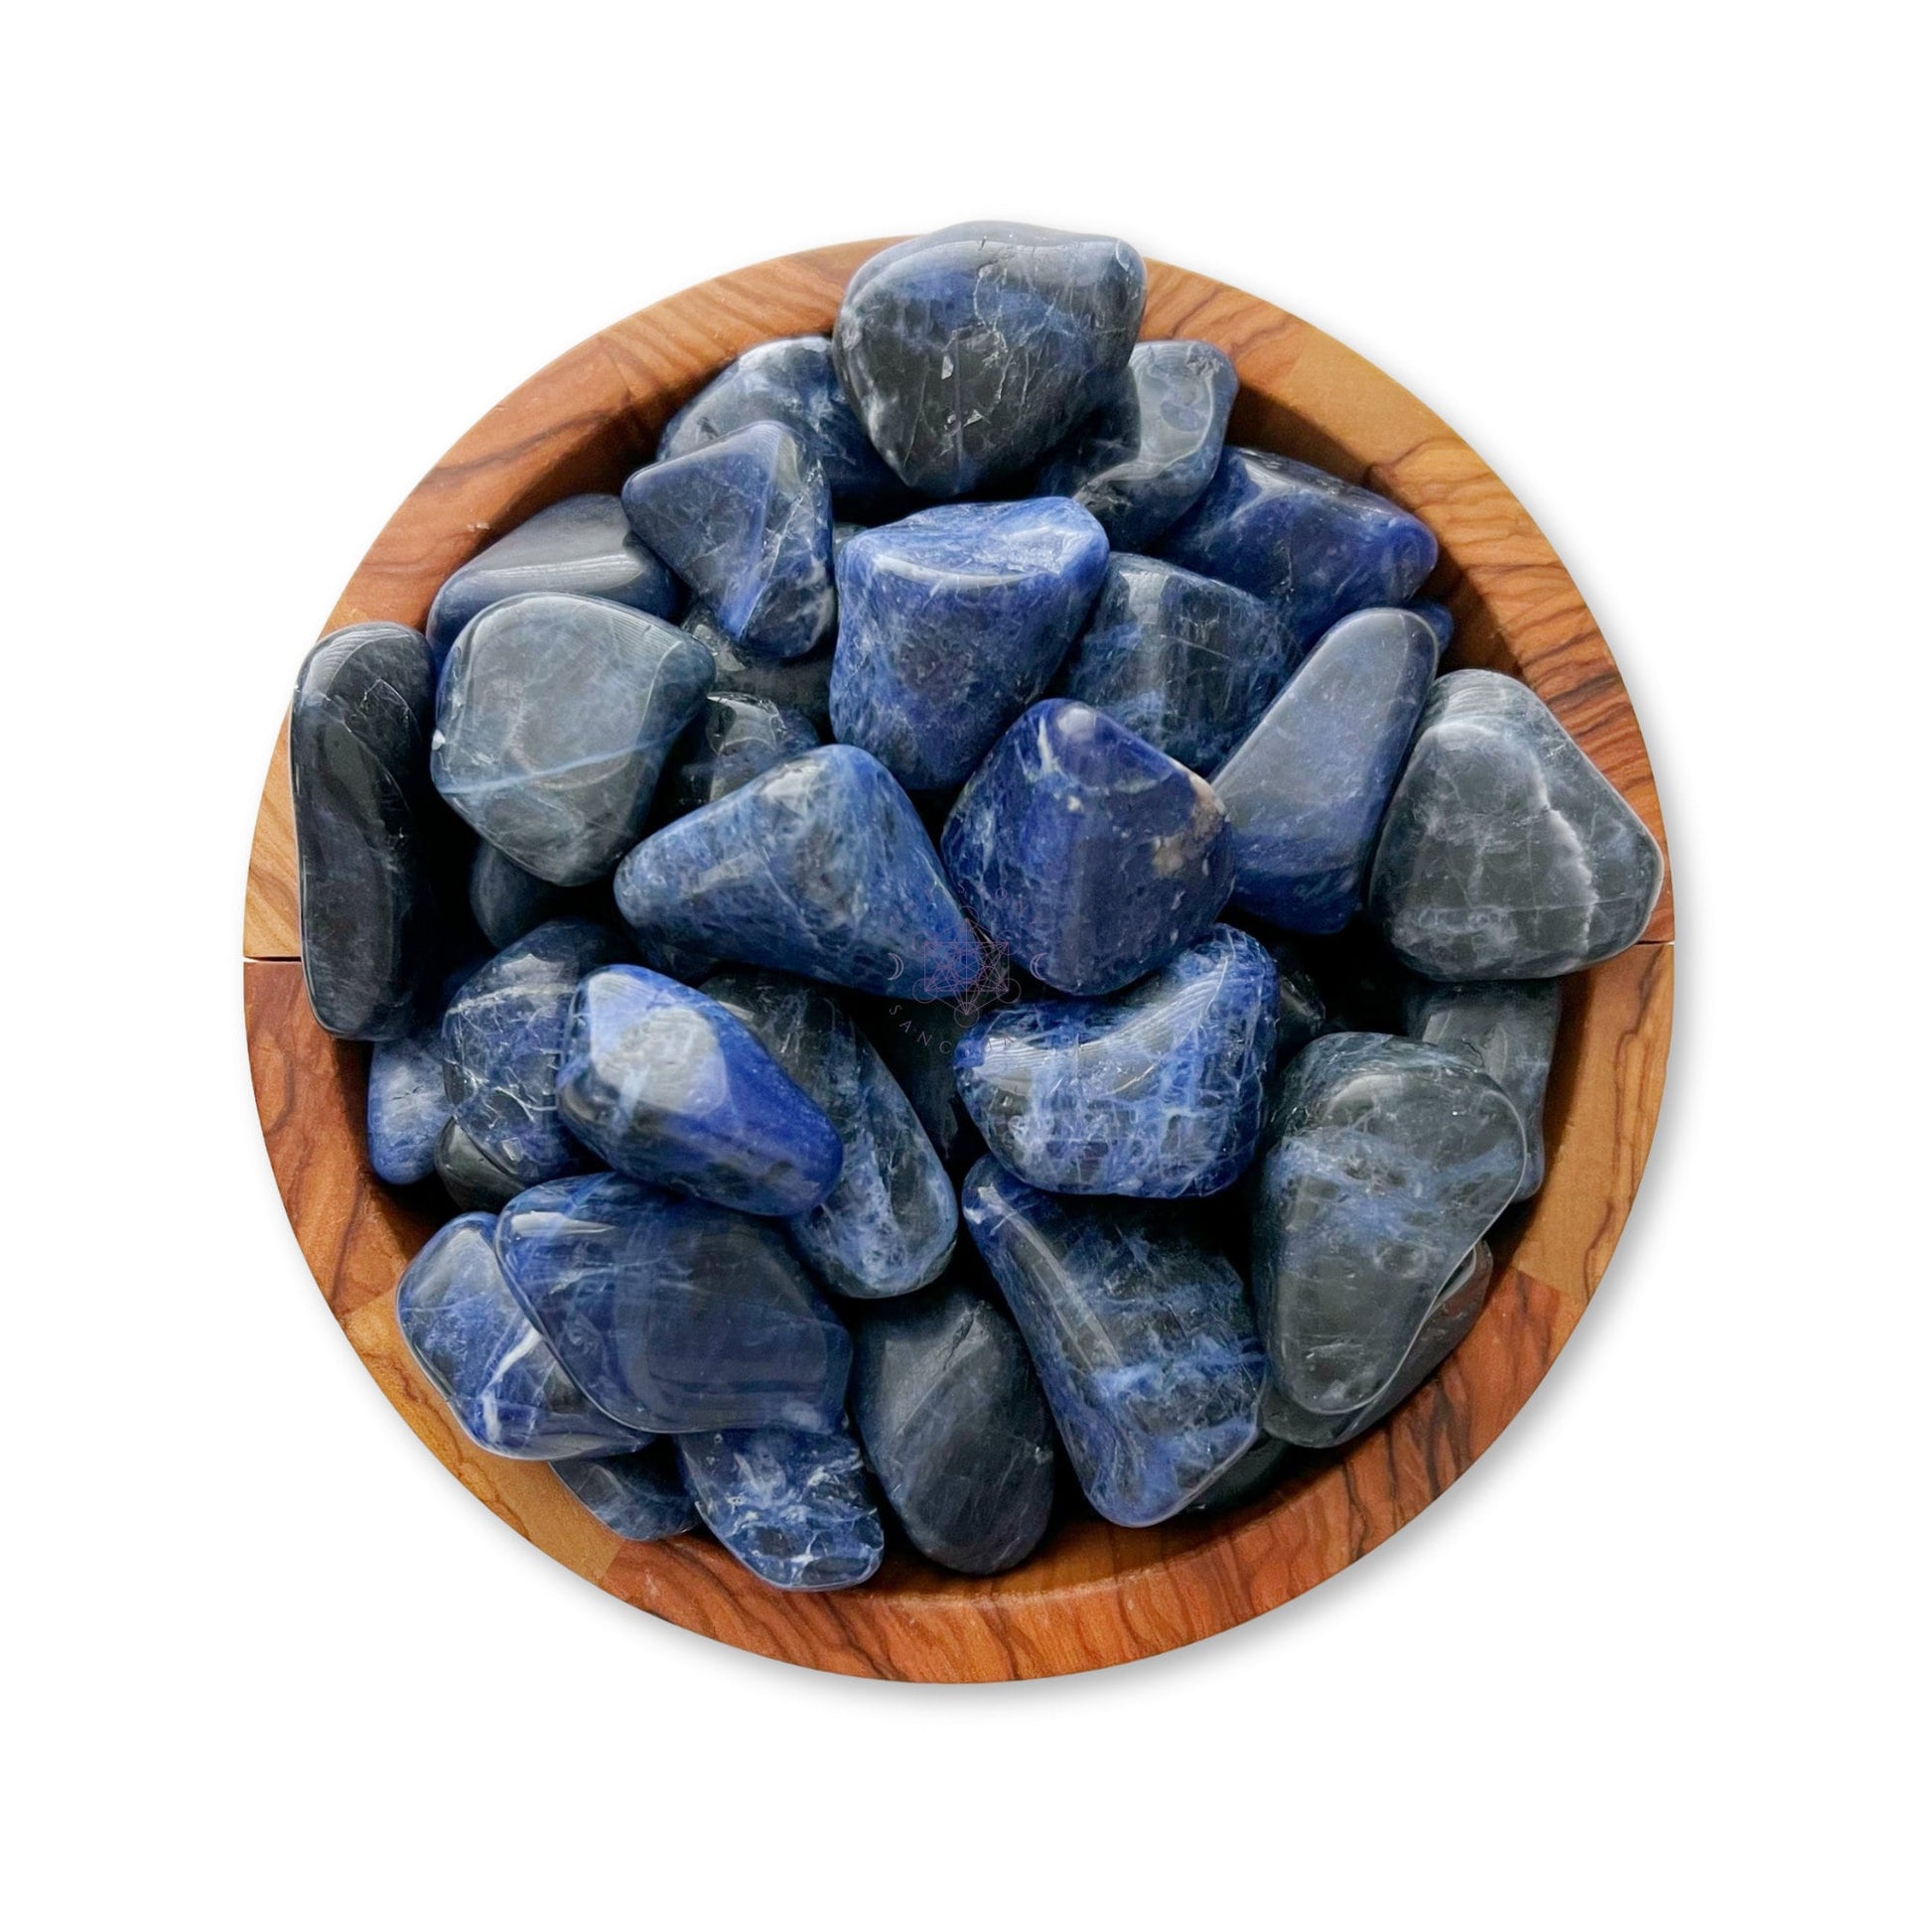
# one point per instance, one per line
(358, 766)
(1439, 619)
(888, 1224)
(584, 545)
(1155, 1092)
(819, 866)
(471, 1178)
(917, 1041)
(1506, 854)
(505, 1388)
(1141, 1336)
(1243, 1481)
(1089, 855)
(671, 1313)
(552, 725)
(952, 623)
(970, 353)
(955, 1428)
(1300, 1012)
(800, 684)
(407, 1106)
(791, 1505)
(1306, 788)
(506, 901)
(1187, 662)
(747, 523)
(727, 745)
(1145, 456)
(640, 1496)
(1315, 546)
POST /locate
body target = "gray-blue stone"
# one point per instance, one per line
(506, 901)
(800, 684)
(471, 1178)
(1301, 1011)
(1439, 619)
(407, 1106)
(727, 745)
(641, 1497)
(1243, 1481)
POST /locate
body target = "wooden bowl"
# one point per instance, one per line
(1094, 1594)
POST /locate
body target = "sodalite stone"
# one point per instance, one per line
(1301, 1011)
(358, 766)
(955, 1428)
(503, 1039)
(1151, 448)
(671, 1313)
(407, 1106)
(970, 353)
(552, 725)
(1089, 855)
(747, 523)
(819, 866)
(468, 1175)
(506, 901)
(1141, 1336)
(793, 1507)
(1315, 546)
(952, 623)
(1185, 661)
(505, 1388)
(1155, 1092)
(1388, 1161)
(1439, 619)
(800, 684)
(1246, 1479)
(1510, 1025)
(1306, 788)
(918, 1041)
(888, 1224)
(584, 545)
(640, 1495)
(727, 745)
(1506, 854)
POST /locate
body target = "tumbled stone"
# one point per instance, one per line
(1187, 662)
(955, 1429)
(819, 866)
(504, 1385)
(358, 767)
(792, 1506)
(641, 1497)
(506, 901)
(970, 353)
(672, 1314)
(1140, 1333)
(747, 523)
(952, 623)
(1241, 1482)
(552, 725)
(727, 745)
(1306, 788)
(471, 1178)
(407, 1106)
(1439, 619)
(800, 684)
(1089, 855)
(1301, 1011)
(1155, 1092)
(1506, 854)
(1146, 453)
(917, 1041)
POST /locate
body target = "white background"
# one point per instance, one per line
(1658, 1660)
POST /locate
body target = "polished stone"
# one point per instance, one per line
(506, 901)
(800, 684)
(1141, 1336)
(1155, 1092)
(358, 766)
(1506, 854)
(952, 623)
(641, 1497)
(1439, 619)
(1301, 1011)
(1089, 856)
(727, 745)
(407, 1106)
(970, 353)
(917, 1041)
(471, 1178)
(1242, 1482)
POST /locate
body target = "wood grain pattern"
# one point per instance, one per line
(1095, 1594)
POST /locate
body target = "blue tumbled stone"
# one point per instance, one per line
(952, 623)
(672, 1314)
(1089, 855)
(1141, 1336)
(506, 901)
(800, 684)
(747, 523)
(471, 1178)
(727, 745)
(1439, 619)
(1243, 1480)
(407, 1106)
(641, 1497)
(1301, 1011)
(1306, 788)
(1155, 1092)
(917, 1041)
(819, 866)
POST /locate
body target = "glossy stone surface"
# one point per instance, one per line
(358, 766)
(1388, 1159)
(584, 544)
(747, 523)
(800, 684)
(640, 1495)
(1151, 448)
(671, 1313)
(1306, 788)
(504, 1385)
(1187, 662)
(1301, 1011)
(970, 353)
(917, 1041)
(1315, 546)
(793, 1507)
(1506, 854)
(502, 1037)
(1089, 856)
(1439, 619)
(954, 620)
(553, 722)
(1242, 1482)
(955, 1429)
(407, 1106)
(1140, 1333)
(1510, 1025)
(506, 901)
(1155, 1093)
(727, 745)
(819, 866)
(471, 1178)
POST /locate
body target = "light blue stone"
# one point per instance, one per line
(640, 1496)
(727, 745)
(407, 1106)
